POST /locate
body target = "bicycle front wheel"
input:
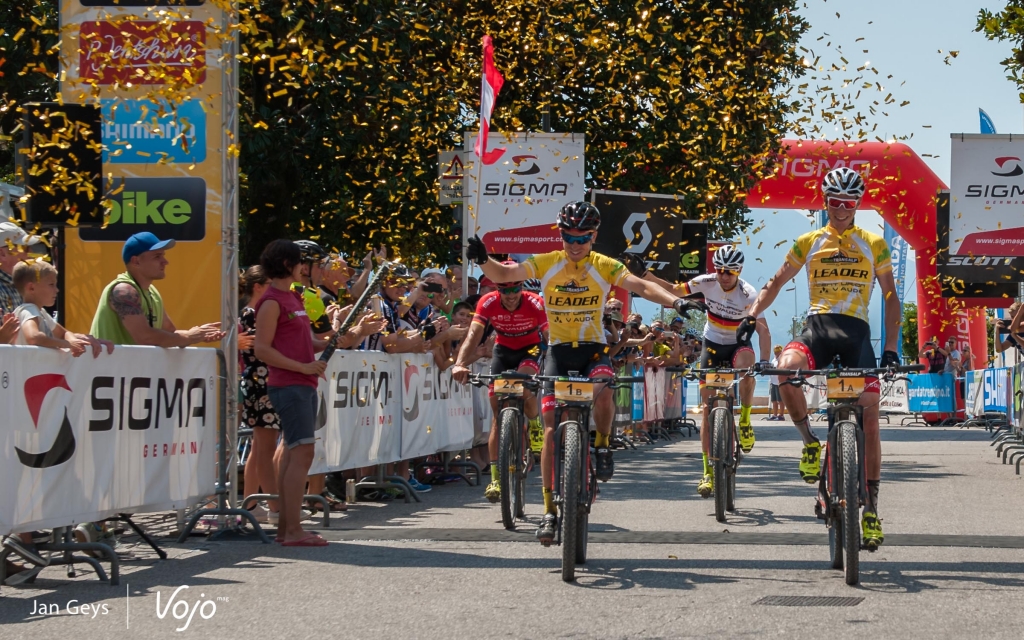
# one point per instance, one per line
(721, 425)
(508, 465)
(570, 498)
(849, 499)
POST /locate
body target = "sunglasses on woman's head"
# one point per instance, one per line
(837, 203)
(577, 239)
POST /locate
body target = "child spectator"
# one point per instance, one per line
(36, 282)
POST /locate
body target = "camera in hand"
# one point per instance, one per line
(432, 287)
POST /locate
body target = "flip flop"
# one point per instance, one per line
(312, 540)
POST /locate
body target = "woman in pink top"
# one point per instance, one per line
(284, 341)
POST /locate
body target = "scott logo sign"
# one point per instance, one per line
(36, 389)
(645, 235)
(168, 207)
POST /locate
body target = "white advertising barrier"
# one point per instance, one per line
(894, 397)
(654, 394)
(986, 187)
(83, 439)
(520, 194)
(814, 393)
(360, 411)
(481, 405)
(437, 412)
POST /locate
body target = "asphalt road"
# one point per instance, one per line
(659, 564)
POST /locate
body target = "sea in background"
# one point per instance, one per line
(760, 389)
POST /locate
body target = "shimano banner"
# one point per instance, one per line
(931, 393)
(648, 225)
(83, 439)
(987, 391)
(899, 248)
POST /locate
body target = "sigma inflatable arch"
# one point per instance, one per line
(902, 189)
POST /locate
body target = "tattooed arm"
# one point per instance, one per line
(127, 304)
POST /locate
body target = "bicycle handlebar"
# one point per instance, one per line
(824, 372)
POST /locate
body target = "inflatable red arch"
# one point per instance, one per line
(902, 189)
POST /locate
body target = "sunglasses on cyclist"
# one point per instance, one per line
(837, 203)
(508, 291)
(728, 272)
(577, 239)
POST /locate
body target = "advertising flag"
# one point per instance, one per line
(490, 86)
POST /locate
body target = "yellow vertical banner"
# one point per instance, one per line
(158, 71)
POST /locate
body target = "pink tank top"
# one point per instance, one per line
(294, 338)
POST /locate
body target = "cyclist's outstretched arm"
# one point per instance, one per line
(677, 289)
(893, 318)
(648, 290)
(764, 339)
(467, 350)
(771, 290)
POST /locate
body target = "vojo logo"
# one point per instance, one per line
(147, 132)
(169, 207)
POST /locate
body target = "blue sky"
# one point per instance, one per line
(903, 38)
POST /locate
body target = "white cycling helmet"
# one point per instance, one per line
(728, 257)
(532, 284)
(843, 182)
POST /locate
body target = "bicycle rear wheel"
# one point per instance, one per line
(849, 499)
(508, 464)
(720, 421)
(570, 498)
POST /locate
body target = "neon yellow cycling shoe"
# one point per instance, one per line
(493, 492)
(871, 527)
(536, 439)
(810, 462)
(706, 487)
(747, 438)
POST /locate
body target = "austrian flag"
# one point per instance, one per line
(490, 85)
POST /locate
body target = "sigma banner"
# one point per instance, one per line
(520, 194)
(437, 412)
(82, 439)
(931, 393)
(894, 397)
(359, 412)
(987, 189)
(646, 224)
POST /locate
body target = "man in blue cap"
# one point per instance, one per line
(131, 310)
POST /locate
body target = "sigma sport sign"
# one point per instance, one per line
(987, 190)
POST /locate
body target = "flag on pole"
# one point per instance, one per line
(987, 126)
(490, 85)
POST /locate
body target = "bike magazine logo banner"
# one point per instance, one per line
(86, 438)
(148, 132)
(143, 52)
(171, 208)
(987, 189)
(653, 227)
(521, 193)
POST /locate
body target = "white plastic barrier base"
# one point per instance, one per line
(83, 439)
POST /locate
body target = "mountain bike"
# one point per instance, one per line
(515, 459)
(725, 452)
(842, 488)
(575, 482)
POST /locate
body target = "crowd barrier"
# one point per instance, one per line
(85, 439)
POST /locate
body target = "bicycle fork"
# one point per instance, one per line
(828, 505)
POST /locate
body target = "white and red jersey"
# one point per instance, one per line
(515, 329)
(725, 308)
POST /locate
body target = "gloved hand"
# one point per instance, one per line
(745, 331)
(476, 251)
(890, 359)
(761, 366)
(684, 306)
(634, 263)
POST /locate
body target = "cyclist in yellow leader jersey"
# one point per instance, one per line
(843, 262)
(575, 282)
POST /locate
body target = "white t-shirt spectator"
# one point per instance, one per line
(26, 312)
(951, 367)
(775, 365)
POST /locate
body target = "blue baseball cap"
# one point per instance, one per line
(141, 243)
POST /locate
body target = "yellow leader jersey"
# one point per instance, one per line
(575, 293)
(841, 268)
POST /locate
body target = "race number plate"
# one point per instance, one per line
(715, 379)
(508, 387)
(843, 388)
(574, 391)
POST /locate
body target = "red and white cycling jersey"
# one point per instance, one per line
(516, 329)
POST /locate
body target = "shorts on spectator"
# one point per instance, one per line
(773, 393)
(296, 409)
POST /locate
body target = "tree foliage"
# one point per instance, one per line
(910, 346)
(1007, 26)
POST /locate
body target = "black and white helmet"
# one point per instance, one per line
(579, 216)
(843, 182)
(728, 257)
(533, 284)
(311, 251)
